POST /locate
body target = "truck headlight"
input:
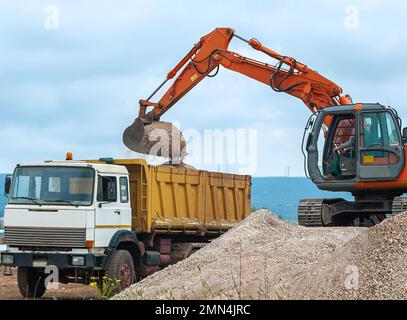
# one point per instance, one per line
(78, 261)
(7, 259)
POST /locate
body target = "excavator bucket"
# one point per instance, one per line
(133, 135)
(159, 138)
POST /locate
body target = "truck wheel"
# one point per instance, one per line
(121, 269)
(31, 282)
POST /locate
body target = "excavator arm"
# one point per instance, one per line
(288, 76)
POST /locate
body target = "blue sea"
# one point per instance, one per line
(282, 195)
(279, 194)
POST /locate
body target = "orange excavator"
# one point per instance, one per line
(358, 148)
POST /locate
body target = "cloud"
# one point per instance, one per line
(77, 88)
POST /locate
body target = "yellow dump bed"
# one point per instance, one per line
(165, 199)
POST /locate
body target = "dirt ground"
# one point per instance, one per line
(265, 258)
(9, 290)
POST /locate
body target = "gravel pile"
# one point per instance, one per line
(373, 265)
(257, 259)
(265, 258)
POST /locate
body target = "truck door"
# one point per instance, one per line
(381, 153)
(108, 213)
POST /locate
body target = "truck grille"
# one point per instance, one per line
(45, 237)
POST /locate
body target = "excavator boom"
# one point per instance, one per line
(211, 52)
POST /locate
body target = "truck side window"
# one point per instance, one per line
(124, 192)
(107, 189)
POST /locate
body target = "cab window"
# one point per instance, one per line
(124, 192)
(392, 129)
(107, 189)
(378, 131)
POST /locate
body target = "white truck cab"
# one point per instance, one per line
(73, 215)
(81, 217)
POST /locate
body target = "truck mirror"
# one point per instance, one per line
(7, 185)
(404, 135)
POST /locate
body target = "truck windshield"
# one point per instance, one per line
(52, 185)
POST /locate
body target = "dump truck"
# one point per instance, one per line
(112, 219)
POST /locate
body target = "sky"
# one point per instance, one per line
(72, 73)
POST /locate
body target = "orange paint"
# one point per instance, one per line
(69, 156)
(90, 244)
(358, 106)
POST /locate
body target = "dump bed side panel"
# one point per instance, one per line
(139, 198)
(191, 201)
(140, 177)
(177, 200)
(227, 200)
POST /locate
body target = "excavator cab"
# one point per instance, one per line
(363, 142)
(356, 148)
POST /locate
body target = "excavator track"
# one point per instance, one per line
(399, 205)
(310, 212)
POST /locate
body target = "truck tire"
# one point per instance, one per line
(31, 282)
(121, 267)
